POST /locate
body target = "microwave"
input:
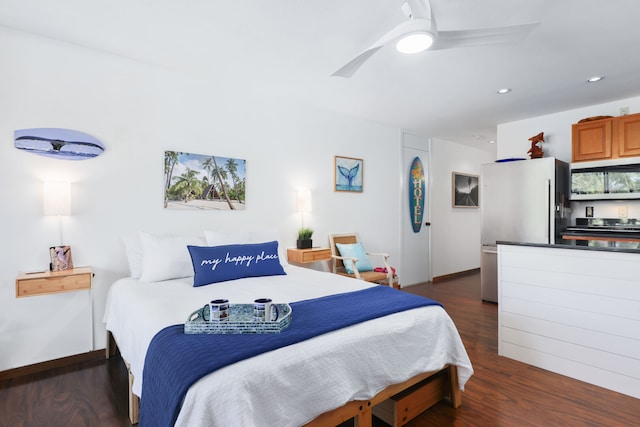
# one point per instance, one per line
(612, 182)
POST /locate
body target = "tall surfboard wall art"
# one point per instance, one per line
(58, 143)
(416, 194)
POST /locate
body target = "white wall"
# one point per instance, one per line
(138, 111)
(513, 142)
(455, 232)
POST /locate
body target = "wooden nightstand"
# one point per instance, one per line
(62, 323)
(304, 256)
(48, 282)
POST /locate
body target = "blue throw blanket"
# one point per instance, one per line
(176, 360)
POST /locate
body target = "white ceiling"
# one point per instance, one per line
(290, 48)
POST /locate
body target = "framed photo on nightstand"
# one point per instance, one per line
(60, 258)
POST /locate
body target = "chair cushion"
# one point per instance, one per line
(354, 250)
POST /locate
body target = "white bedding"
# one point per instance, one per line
(292, 385)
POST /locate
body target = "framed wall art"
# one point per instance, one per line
(348, 174)
(465, 190)
(201, 182)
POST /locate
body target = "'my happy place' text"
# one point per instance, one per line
(238, 260)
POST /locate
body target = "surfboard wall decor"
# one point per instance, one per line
(416, 194)
(58, 143)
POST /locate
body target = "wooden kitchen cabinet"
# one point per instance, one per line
(591, 140)
(628, 130)
(605, 139)
(76, 279)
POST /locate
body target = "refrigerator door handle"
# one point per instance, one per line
(548, 213)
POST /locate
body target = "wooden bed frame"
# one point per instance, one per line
(396, 404)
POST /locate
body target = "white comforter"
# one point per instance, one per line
(292, 385)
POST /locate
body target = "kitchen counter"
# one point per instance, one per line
(600, 230)
(573, 310)
(594, 235)
(570, 246)
(609, 237)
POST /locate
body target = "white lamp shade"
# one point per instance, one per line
(304, 201)
(57, 198)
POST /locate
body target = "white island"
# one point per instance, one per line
(572, 310)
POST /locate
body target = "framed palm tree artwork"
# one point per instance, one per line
(348, 174)
(203, 182)
(465, 190)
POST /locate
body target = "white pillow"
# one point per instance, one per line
(269, 236)
(219, 238)
(166, 257)
(133, 249)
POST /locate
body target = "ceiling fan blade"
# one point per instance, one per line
(418, 8)
(405, 27)
(482, 36)
(354, 65)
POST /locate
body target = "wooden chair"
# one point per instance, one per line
(337, 262)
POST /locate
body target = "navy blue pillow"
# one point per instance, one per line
(212, 264)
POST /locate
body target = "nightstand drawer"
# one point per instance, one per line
(53, 282)
(308, 255)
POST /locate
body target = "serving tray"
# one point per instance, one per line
(240, 322)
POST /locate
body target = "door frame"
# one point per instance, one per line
(426, 159)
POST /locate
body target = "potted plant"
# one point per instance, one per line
(304, 238)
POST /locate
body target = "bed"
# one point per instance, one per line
(328, 377)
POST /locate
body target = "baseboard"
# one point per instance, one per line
(446, 277)
(51, 364)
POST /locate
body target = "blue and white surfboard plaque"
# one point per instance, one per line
(416, 194)
(58, 143)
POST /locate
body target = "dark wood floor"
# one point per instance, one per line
(502, 392)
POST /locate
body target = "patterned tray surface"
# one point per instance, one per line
(240, 322)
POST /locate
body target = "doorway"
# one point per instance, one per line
(415, 245)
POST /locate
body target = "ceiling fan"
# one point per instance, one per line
(420, 33)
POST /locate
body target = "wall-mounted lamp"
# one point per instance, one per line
(57, 198)
(303, 203)
(57, 201)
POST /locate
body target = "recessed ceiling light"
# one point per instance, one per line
(594, 79)
(504, 90)
(415, 42)
(492, 141)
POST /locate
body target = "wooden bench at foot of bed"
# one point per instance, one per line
(396, 405)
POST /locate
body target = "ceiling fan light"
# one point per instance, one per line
(414, 42)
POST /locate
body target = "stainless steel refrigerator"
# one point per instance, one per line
(521, 201)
